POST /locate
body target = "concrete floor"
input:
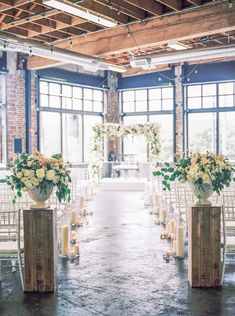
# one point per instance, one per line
(121, 272)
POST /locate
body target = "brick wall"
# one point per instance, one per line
(15, 98)
(178, 111)
(15, 109)
(113, 110)
(33, 129)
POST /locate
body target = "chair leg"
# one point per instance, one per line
(20, 259)
(0, 271)
(13, 263)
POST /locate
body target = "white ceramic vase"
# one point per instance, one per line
(40, 195)
(202, 193)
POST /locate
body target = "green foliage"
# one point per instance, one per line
(198, 169)
(30, 171)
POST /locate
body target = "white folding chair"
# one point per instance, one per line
(11, 249)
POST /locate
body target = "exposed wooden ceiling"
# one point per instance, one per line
(144, 27)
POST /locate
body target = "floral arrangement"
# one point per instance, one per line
(199, 169)
(115, 130)
(94, 170)
(32, 171)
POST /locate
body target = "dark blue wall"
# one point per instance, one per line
(147, 80)
(73, 77)
(191, 74)
(209, 72)
(220, 71)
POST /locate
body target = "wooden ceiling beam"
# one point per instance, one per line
(185, 25)
(125, 8)
(195, 2)
(175, 5)
(105, 10)
(147, 5)
(6, 4)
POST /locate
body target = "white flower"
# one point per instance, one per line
(50, 175)
(19, 174)
(40, 173)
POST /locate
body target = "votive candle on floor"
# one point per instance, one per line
(180, 241)
(65, 240)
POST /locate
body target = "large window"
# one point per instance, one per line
(67, 115)
(153, 105)
(210, 114)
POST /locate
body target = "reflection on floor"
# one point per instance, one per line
(123, 184)
(121, 272)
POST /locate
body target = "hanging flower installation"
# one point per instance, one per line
(112, 131)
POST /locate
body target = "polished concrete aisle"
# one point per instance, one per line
(121, 271)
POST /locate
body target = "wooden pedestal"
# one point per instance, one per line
(204, 261)
(40, 250)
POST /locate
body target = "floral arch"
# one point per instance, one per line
(114, 130)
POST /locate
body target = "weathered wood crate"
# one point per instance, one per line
(204, 248)
(40, 250)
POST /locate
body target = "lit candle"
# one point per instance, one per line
(168, 228)
(156, 200)
(73, 234)
(81, 202)
(73, 217)
(172, 226)
(180, 241)
(78, 220)
(164, 216)
(92, 191)
(155, 210)
(86, 193)
(65, 240)
(76, 248)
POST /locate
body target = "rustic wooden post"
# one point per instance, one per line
(204, 248)
(40, 250)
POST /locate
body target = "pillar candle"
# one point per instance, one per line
(86, 193)
(155, 210)
(180, 241)
(72, 253)
(174, 245)
(73, 217)
(168, 228)
(65, 240)
(92, 191)
(164, 216)
(73, 235)
(81, 202)
(78, 220)
(156, 200)
(172, 226)
(76, 248)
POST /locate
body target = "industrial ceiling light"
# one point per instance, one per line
(81, 12)
(12, 43)
(185, 56)
(177, 46)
